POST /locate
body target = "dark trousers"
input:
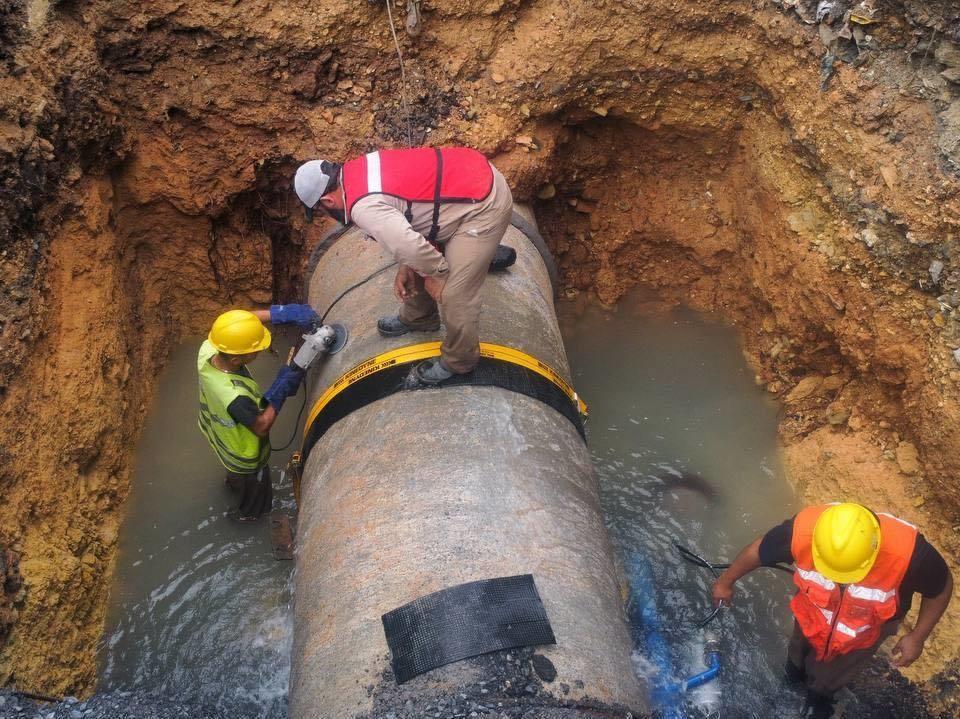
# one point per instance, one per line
(255, 490)
(827, 678)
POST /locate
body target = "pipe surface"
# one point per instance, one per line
(427, 489)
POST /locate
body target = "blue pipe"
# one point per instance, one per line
(645, 623)
(708, 675)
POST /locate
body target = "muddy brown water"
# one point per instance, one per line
(199, 608)
(685, 448)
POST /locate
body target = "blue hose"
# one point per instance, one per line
(645, 622)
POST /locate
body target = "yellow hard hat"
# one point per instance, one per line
(239, 332)
(846, 540)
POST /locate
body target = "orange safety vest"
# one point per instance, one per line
(837, 619)
(422, 174)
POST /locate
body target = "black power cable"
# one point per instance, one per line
(323, 317)
(296, 425)
(352, 287)
(714, 569)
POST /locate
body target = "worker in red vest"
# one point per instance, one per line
(856, 573)
(441, 213)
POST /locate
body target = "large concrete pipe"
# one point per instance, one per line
(427, 489)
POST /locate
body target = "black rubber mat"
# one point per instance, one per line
(489, 373)
(465, 621)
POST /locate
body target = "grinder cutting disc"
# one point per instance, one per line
(340, 341)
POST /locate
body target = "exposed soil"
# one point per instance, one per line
(720, 151)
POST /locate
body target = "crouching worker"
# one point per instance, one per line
(856, 573)
(235, 415)
(441, 213)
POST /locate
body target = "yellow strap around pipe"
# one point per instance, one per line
(425, 350)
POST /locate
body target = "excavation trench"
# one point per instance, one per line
(684, 445)
(686, 148)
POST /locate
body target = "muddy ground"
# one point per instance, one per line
(799, 177)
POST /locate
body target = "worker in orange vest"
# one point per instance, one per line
(856, 573)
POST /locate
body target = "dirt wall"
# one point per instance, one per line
(711, 149)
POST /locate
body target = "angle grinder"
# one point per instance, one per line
(321, 341)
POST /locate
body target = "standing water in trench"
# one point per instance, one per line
(199, 608)
(685, 447)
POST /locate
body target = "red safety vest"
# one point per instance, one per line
(838, 620)
(422, 174)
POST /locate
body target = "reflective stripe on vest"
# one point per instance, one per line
(374, 179)
(237, 447)
(816, 577)
(850, 631)
(411, 175)
(835, 619)
(870, 594)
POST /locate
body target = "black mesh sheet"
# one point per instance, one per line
(464, 621)
(489, 373)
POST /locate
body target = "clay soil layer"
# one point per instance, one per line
(735, 155)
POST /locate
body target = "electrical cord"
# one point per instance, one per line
(714, 569)
(323, 318)
(296, 425)
(403, 76)
(352, 287)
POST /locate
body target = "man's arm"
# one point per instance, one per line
(910, 646)
(264, 421)
(245, 411)
(746, 562)
(391, 229)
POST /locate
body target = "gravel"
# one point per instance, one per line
(112, 705)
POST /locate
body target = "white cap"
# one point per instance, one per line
(311, 182)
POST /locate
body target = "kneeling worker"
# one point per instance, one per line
(856, 573)
(235, 415)
(441, 213)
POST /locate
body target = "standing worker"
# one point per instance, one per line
(856, 573)
(235, 415)
(441, 213)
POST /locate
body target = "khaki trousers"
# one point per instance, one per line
(827, 678)
(468, 252)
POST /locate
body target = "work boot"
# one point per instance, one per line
(395, 327)
(433, 372)
(818, 706)
(793, 673)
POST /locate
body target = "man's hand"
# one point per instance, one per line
(434, 287)
(404, 285)
(907, 650)
(722, 592)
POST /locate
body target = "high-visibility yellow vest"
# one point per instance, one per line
(239, 449)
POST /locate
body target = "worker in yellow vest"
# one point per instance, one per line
(235, 416)
(856, 573)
